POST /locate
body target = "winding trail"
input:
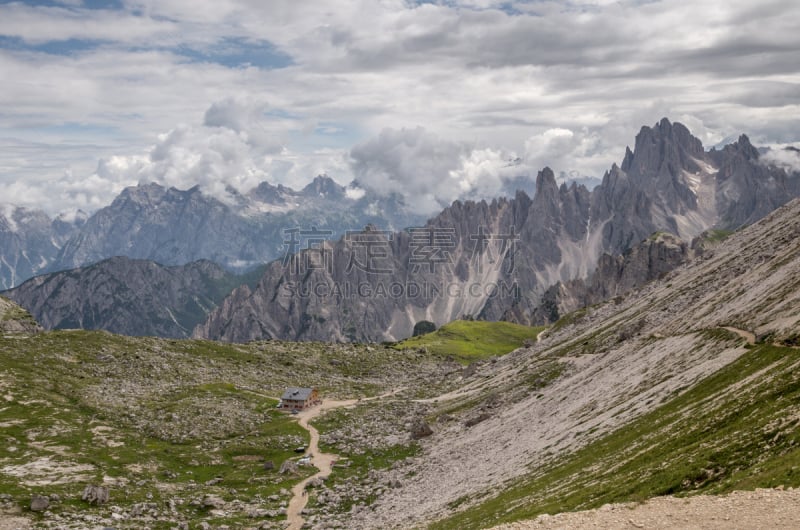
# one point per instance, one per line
(322, 461)
(746, 335)
(751, 337)
(540, 335)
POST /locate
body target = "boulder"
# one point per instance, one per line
(288, 466)
(420, 429)
(213, 501)
(95, 494)
(477, 419)
(315, 483)
(39, 503)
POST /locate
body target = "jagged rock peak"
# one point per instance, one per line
(268, 193)
(546, 182)
(665, 144)
(628, 160)
(677, 133)
(323, 185)
(745, 148)
(143, 189)
(152, 193)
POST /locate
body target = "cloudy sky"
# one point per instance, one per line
(432, 99)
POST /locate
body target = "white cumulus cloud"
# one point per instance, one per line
(284, 90)
(429, 171)
(784, 156)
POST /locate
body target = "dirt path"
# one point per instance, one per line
(746, 335)
(751, 338)
(541, 334)
(743, 510)
(322, 461)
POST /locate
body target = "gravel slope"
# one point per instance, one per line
(619, 361)
(743, 510)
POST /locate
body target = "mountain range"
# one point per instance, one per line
(30, 240)
(130, 296)
(675, 388)
(521, 259)
(495, 260)
(176, 227)
(670, 366)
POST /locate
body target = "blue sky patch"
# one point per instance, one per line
(235, 52)
(55, 47)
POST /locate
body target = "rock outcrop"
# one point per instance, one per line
(14, 320)
(95, 494)
(39, 503)
(615, 276)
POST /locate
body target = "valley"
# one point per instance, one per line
(399, 265)
(177, 431)
(685, 386)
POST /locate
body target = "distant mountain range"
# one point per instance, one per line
(30, 241)
(176, 227)
(522, 259)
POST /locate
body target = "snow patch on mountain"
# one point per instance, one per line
(7, 213)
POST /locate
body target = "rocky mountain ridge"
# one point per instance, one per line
(175, 227)
(128, 296)
(495, 260)
(15, 320)
(521, 259)
(687, 385)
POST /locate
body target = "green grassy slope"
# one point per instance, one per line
(738, 429)
(468, 340)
